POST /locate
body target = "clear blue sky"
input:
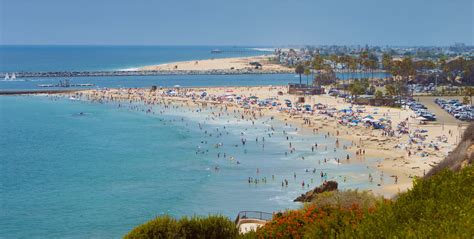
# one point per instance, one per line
(232, 22)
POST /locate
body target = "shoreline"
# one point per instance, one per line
(388, 153)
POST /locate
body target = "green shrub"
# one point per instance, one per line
(248, 235)
(347, 199)
(196, 227)
(438, 207)
(160, 227)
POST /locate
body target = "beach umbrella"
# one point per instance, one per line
(421, 118)
(177, 86)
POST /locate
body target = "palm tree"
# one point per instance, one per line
(307, 72)
(299, 70)
(469, 91)
(317, 63)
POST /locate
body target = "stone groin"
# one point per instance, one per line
(143, 73)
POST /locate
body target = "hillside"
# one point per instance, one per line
(461, 156)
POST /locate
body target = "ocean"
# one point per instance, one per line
(107, 58)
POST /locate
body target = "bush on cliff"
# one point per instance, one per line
(439, 207)
(195, 227)
(313, 221)
(347, 198)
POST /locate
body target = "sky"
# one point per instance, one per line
(232, 22)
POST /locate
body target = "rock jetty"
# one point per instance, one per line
(310, 195)
(145, 73)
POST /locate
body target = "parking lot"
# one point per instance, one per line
(441, 114)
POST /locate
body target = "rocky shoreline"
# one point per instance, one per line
(310, 195)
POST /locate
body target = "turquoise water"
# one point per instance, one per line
(99, 174)
(100, 58)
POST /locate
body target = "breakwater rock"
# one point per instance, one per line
(309, 196)
(145, 73)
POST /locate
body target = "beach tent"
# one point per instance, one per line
(369, 120)
(346, 110)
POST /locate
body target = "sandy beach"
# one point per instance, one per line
(227, 64)
(398, 157)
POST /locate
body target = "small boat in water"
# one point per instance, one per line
(11, 77)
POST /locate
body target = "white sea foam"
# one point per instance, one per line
(263, 49)
(130, 69)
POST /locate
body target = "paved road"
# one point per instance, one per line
(441, 115)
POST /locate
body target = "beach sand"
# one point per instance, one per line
(387, 154)
(237, 63)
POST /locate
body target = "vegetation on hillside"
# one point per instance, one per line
(196, 227)
(439, 207)
(461, 156)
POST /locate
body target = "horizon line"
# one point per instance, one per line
(243, 45)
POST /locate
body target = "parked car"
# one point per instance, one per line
(456, 109)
